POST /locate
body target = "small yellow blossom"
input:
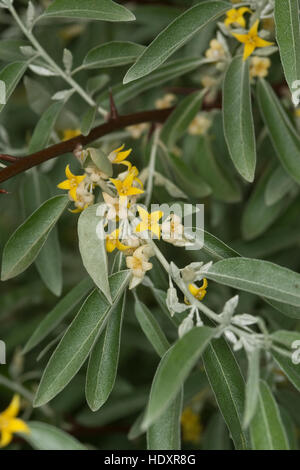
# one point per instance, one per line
(70, 133)
(165, 102)
(117, 156)
(236, 16)
(297, 112)
(137, 130)
(149, 221)
(252, 40)
(173, 232)
(139, 265)
(9, 424)
(71, 183)
(259, 66)
(198, 292)
(125, 188)
(208, 82)
(113, 242)
(200, 124)
(191, 425)
(116, 209)
(216, 50)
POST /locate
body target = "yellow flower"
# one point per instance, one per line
(9, 424)
(216, 50)
(166, 101)
(200, 124)
(236, 16)
(125, 187)
(137, 130)
(139, 265)
(117, 156)
(259, 66)
(149, 221)
(297, 112)
(112, 242)
(198, 292)
(191, 426)
(70, 133)
(71, 183)
(252, 40)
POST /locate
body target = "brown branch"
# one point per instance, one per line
(8, 158)
(25, 163)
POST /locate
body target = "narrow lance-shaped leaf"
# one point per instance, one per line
(9, 79)
(44, 436)
(222, 187)
(279, 185)
(174, 369)
(58, 313)
(288, 38)
(284, 138)
(237, 117)
(257, 216)
(181, 30)
(44, 127)
(252, 386)
(123, 93)
(151, 328)
(104, 10)
(164, 434)
(112, 54)
(36, 189)
(26, 242)
(78, 340)
(103, 363)
(259, 277)
(92, 246)
(228, 386)
(179, 120)
(266, 429)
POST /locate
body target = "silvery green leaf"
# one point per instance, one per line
(42, 71)
(30, 14)
(62, 95)
(185, 326)
(244, 320)
(181, 30)
(173, 303)
(2, 92)
(105, 10)
(10, 75)
(288, 38)
(266, 429)
(252, 386)
(44, 436)
(229, 308)
(173, 190)
(92, 248)
(230, 336)
(27, 51)
(67, 60)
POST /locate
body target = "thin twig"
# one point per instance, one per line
(68, 146)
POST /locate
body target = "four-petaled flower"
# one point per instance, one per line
(125, 187)
(236, 15)
(71, 183)
(251, 40)
(149, 221)
(117, 156)
(112, 242)
(198, 292)
(9, 424)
